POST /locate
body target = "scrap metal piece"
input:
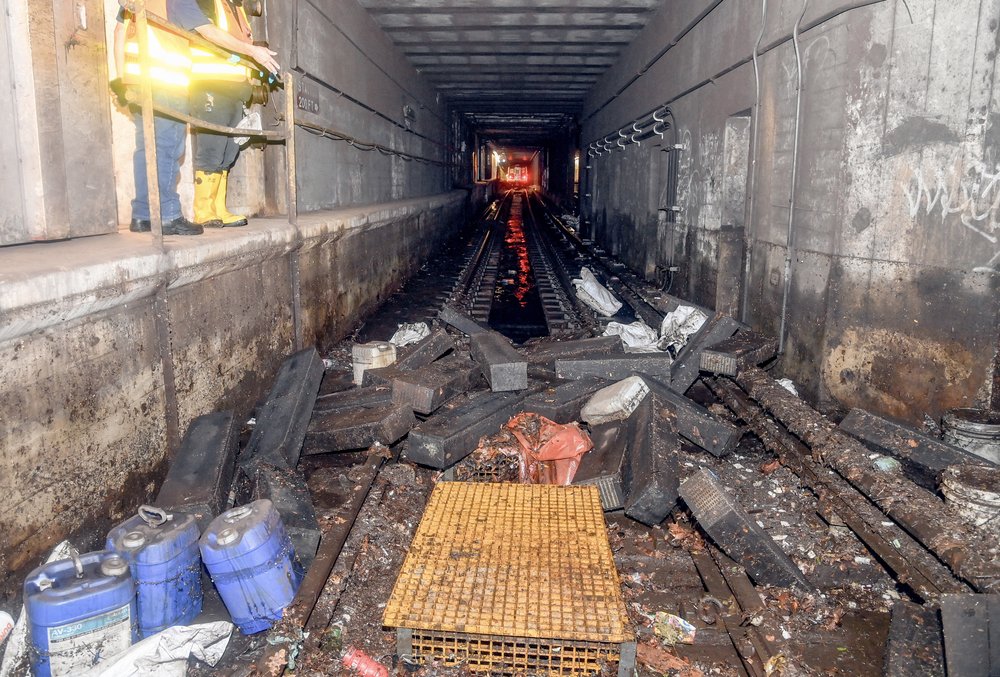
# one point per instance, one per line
(737, 534)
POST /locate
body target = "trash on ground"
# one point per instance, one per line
(166, 654)
(372, 355)
(595, 295)
(788, 385)
(636, 337)
(680, 325)
(550, 452)
(366, 666)
(672, 629)
(615, 402)
(410, 332)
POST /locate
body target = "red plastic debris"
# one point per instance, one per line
(363, 664)
(550, 452)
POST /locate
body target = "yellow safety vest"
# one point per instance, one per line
(207, 65)
(169, 54)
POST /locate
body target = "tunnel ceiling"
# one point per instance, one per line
(517, 69)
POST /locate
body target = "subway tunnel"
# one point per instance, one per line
(821, 173)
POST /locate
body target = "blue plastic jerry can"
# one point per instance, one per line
(161, 549)
(249, 555)
(81, 611)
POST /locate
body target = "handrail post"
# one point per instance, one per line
(148, 125)
(292, 184)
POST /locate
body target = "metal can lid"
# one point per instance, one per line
(227, 536)
(133, 539)
(114, 565)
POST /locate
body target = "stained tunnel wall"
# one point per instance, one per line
(893, 302)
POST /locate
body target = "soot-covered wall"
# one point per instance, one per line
(892, 301)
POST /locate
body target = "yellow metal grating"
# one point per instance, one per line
(511, 561)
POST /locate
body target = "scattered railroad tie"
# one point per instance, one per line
(545, 353)
(425, 351)
(937, 525)
(694, 422)
(650, 476)
(200, 475)
(282, 420)
(739, 536)
(912, 564)
(685, 369)
(288, 491)
(603, 465)
(971, 626)
(452, 433)
(504, 367)
(562, 402)
(359, 427)
(460, 321)
(369, 396)
(614, 367)
(915, 645)
(746, 349)
(425, 389)
(923, 457)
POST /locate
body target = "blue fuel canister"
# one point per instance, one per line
(249, 555)
(81, 611)
(162, 551)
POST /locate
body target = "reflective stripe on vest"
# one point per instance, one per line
(169, 54)
(206, 65)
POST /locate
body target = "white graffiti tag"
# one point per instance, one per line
(971, 192)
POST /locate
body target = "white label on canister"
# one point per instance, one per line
(76, 647)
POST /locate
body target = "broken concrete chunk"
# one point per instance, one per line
(425, 351)
(546, 353)
(359, 428)
(460, 321)
(424, 390)
(924, 458)
(288, 491)
(686, 367)
(201, 474)
(692, 421)
(915, 645)
(971, 625)
(616, 402)
(650, 475)
(745, 349)
(603, 465)
(505, 369)
(614, 367)
(562, 403)
(452, 433)
(282, 420)
(739, 536)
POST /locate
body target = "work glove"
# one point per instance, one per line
(118, 89)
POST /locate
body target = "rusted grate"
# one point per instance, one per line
(511, 578)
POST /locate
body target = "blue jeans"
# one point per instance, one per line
(170, 136)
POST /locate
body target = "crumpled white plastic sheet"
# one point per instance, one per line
(251, 121)
(410, 333)
(637, 337)
(17, 644)
(595, 295)
(679, 325)
(788, 385)
(165, 654)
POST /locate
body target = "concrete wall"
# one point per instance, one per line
(893, 303)
(108, 350)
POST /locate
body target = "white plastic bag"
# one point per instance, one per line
(250, 121)
(410, 333)
(165, 654)
(593, 293)
(679, 325)
(637, 337)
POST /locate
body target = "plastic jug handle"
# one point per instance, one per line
(154, 516)
(74, 555)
